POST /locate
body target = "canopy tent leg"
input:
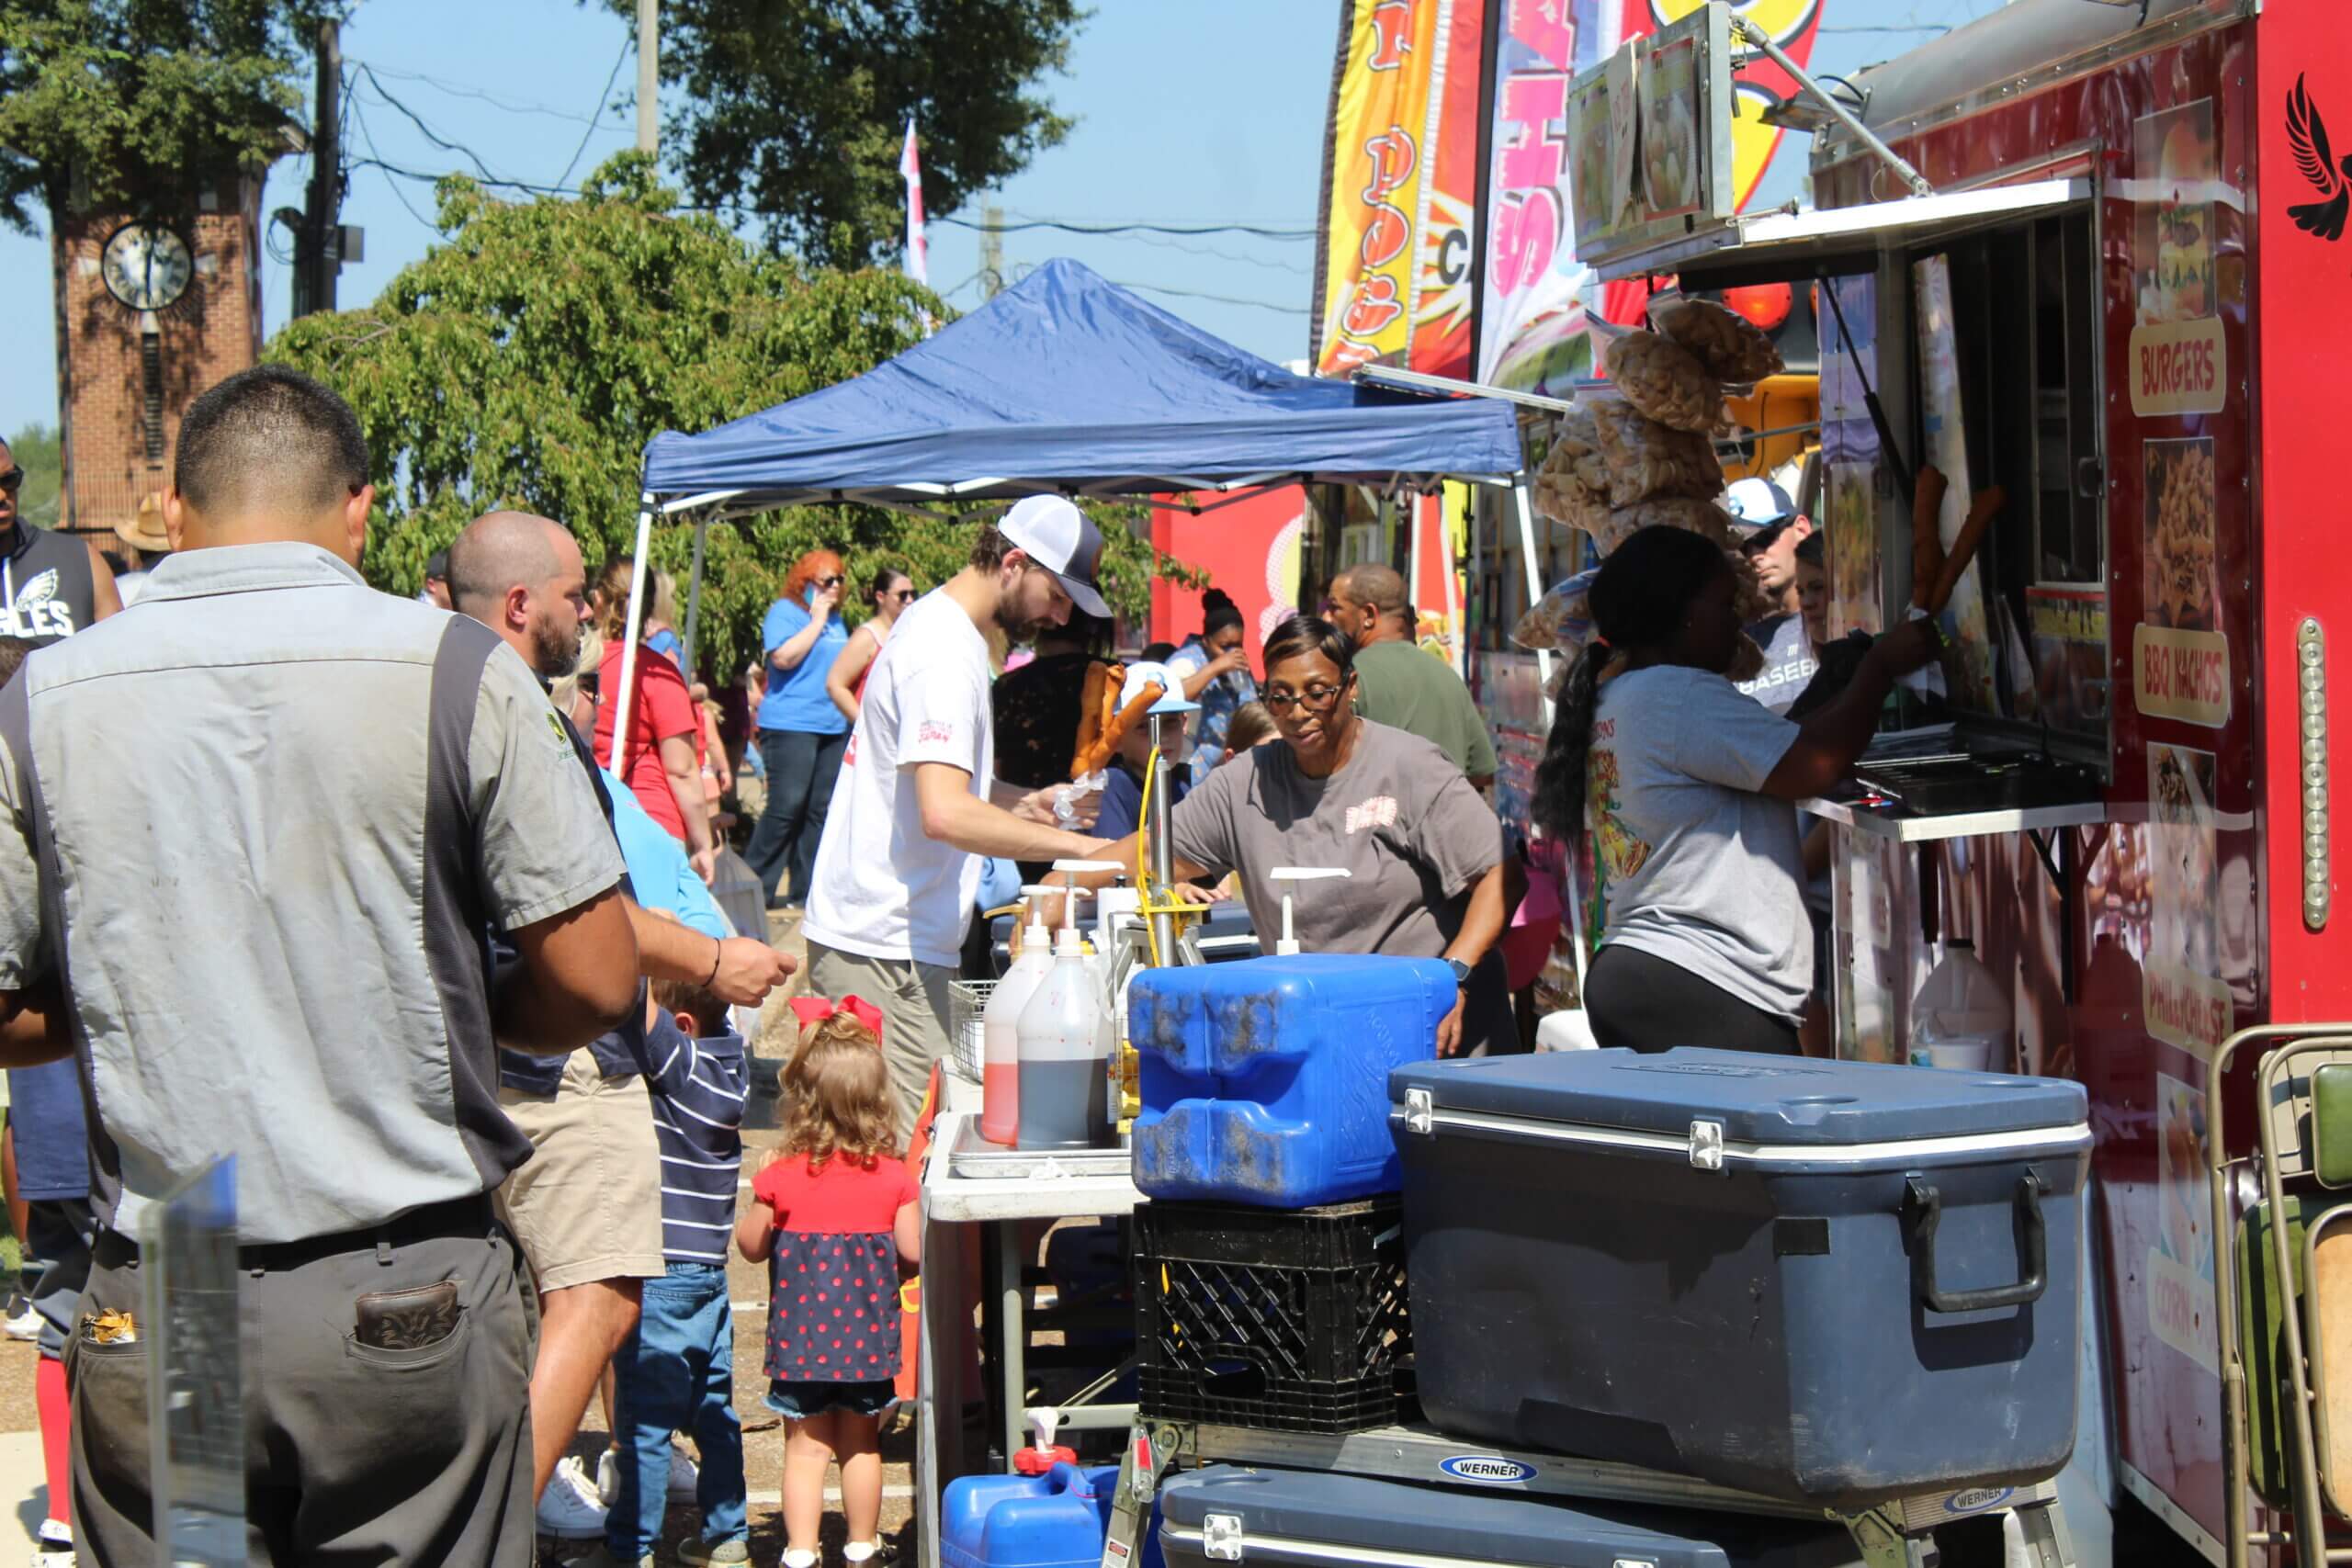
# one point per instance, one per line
(1413, 566)
(1524, 504)
(634, 622)
(693, 592)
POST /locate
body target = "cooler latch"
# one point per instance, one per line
(1707, 1144)
(1421, 1111)
(1221, 1537)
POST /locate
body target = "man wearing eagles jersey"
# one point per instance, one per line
(50, 585)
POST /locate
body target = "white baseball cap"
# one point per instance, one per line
(1142, 675)
(1758, 505)
(1062, 539)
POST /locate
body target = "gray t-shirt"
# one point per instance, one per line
(1789, 663)
(1399, 817)
(1702, 868)
(284, 960)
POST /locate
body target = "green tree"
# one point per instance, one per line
(36, 450)
(796, 109)
(144, 101)
(527, 361)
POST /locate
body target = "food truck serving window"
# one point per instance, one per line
(2012, 309)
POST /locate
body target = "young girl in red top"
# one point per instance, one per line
(833, 1214)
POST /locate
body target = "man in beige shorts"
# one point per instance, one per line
(587, 1205)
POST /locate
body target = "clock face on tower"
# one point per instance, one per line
(146, 266)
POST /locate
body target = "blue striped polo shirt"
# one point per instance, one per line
(698, 1088)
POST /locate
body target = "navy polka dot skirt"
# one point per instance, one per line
(832, 1308)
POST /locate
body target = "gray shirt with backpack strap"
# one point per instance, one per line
(272, 931)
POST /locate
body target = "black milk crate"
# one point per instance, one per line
(1293, 1320)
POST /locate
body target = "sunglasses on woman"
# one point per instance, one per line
(903, 595)
(833, 581)
(1316, 699)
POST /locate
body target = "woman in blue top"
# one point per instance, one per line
(802, 734)
(1215, 672)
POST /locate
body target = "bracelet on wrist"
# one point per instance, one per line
(717, 956)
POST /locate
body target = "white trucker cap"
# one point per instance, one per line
(1062, 539)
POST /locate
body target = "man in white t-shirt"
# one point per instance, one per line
(918, 802)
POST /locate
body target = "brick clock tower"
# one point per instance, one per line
(151, 310)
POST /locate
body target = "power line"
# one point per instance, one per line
(374, 160)
(1117, 218)
(461, 90)
(1271, 262)
(602, 98)
(1218, 299)
(428, 131)
(1016, 228)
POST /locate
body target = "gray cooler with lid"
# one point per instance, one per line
(1228, 1513)
(1836, 1283)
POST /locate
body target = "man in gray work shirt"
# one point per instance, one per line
(285, 963)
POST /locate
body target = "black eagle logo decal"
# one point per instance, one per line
(2317, 160)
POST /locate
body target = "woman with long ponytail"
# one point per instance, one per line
(1689, 788)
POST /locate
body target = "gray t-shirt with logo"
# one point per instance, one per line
(1703, 867)
(1789, 665)
(1400, 818)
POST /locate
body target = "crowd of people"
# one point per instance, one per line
(489, 1084)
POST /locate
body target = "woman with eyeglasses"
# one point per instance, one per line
(802, 734)
(1423, 852)
(890, 591)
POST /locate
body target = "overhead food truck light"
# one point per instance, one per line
(1766, 304)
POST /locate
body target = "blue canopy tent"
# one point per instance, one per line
(1065, 384)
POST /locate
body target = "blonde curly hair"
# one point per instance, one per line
(837, 1097)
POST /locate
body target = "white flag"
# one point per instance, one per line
(910, 167)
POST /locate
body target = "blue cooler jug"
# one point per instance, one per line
(1265, 1082)
(1055, 1520)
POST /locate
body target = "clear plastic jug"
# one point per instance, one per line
(1961, 1019)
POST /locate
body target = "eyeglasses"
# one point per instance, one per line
(833, 582)
(13, 479)
(1316, 699)
(903, 595)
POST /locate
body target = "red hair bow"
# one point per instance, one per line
(816, 1010)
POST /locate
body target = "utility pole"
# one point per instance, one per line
(649, 79)
(318, 246)
(991, 250)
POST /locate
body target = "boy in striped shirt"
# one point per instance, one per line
(675, 1372)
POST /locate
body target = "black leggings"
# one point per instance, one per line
(1649, 1004)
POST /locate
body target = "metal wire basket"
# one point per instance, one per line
(966, 1035)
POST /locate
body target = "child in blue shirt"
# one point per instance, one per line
(675, 1372)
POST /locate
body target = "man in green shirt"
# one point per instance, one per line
(1397, 684)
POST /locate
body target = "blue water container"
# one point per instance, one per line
(1265, 1082)
(1055, 1520)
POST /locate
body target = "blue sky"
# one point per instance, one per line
(1209, 111)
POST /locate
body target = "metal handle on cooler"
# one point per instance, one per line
(1925, 1205)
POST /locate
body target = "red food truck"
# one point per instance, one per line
(2098, 255)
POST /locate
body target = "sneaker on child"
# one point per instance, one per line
(684, 1477)
(55, 1545)
(695, 1551)
(568, 1509)
(603, 1558)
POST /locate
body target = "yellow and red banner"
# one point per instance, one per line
(1393, 264)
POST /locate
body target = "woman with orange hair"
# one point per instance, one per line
(801, 732)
